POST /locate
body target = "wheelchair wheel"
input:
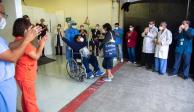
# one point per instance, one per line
(81, 78)
(72, 68)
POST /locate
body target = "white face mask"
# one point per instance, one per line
(131, 29)
(74, 26)
(82, 39)
(151, 26)
(2, 23)
(161, 28)
(116, 28)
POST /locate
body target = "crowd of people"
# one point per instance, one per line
(155, 49)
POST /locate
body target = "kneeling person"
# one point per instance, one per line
(80, 46)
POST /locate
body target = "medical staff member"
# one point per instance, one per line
(183, 49)
(149, 35)
(26, 66)
(8, 89)
(131, 37)
(70, 33)
(59, 41)
(163, 41)
(119, 41)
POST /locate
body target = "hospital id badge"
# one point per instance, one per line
(181, 43)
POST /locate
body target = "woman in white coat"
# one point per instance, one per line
(59, 41)
(163, 41)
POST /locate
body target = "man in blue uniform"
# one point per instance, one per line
(70, 34)
(183, 49)
(119, 40)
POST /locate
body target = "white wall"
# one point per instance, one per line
(51, 19)
(14, 10)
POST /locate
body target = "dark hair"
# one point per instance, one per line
(20, 25)
(117, 24)
(107, 26)
(152, 21)
(187, 22)
(76, 37)
(59, 25)
(25, 16)
(0, 1)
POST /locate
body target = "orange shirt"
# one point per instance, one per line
(26, 67)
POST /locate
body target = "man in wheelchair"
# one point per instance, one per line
(80, 50)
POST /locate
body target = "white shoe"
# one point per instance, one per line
(107, 79)
(122, 60)
(130, 62)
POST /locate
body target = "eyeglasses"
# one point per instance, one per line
(4, 15)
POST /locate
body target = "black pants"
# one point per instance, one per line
(95, 46)
(57, 50)
(147, 59)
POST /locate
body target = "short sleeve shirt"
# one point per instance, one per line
(7, 69)
(26, 67)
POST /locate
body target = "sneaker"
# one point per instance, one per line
(122, 60)
(90, 75)
(130, 62)
(99, 73)
(107, 79)
(172, 75)
(111, 77)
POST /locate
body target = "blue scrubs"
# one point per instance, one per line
(70, 34)
(183, 50)
(8, 88)
(160, 65)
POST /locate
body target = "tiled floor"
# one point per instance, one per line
(54, 88)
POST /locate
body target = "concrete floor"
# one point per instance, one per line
(138, 90)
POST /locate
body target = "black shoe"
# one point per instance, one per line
(139, 65)
(185, 77)
(148, 68)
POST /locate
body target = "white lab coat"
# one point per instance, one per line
(61, 41)
(148, 41)
(165, 38)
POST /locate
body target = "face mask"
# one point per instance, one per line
(151, 26)
(74, 26)
(82, 39)
(116, 28)
(2, 23)
(131, 29)
(161, 28)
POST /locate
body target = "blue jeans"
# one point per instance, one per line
(8, 95)
(91, 60)
(131, 53)
(186, 63)
(120, 51)
(68, 53)
(160, 65)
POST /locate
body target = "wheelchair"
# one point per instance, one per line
(75, 68)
